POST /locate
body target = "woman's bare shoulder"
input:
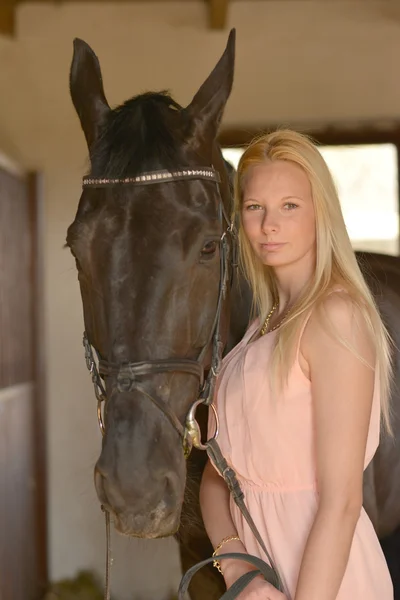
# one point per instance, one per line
(338, 319)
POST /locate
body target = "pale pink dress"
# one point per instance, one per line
(270, 444)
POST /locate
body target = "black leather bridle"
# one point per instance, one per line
(128, 374)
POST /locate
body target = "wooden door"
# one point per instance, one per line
(22, 476)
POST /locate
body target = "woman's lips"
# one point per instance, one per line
(272, 246)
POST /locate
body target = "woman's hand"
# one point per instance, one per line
(259, 589)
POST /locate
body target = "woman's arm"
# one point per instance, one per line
(342, 391)
(214, 504)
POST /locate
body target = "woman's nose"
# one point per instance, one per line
(269, 223)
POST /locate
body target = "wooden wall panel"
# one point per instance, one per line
(18, 566)
(23, 560)
(15, 282)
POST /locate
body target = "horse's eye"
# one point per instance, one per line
(209, 249)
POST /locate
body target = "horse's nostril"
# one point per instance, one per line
(171, 489)
(99, 470)
(99, 480)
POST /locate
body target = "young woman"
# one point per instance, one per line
(302, 397)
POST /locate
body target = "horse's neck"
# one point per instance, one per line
(241, 295)
(240, 308)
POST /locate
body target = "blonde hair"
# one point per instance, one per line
(336, 263)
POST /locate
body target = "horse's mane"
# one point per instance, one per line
(143, 134)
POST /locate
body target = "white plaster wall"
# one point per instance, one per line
(297, 61)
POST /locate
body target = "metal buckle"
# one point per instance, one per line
(192, 435)
(91, 366)
(100, 415)
(88, 354)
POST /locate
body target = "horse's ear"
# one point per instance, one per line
(87, 93)
(207, 106)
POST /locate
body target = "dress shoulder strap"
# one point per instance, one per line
(335, 289)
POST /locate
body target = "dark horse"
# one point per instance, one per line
(149, 272)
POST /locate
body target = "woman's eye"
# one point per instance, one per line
(209, 249)
(252, 206)
(290, 205)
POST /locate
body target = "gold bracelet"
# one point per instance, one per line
(230, 538)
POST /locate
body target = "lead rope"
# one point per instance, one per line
(107, 582)
(107, 590)
(229, 475)
(269, 571)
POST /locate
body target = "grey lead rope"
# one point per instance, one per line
(107, 587)
(239, 585)
(229, 475)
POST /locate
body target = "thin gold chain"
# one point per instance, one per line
(264, 328)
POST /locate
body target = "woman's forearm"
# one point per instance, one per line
(326, 554)
(214, 504)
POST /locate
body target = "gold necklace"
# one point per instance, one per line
(264, 328)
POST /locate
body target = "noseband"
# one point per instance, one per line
(128, 374)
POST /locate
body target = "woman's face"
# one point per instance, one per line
(278, 214)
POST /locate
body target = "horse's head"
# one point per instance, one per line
(148, 259)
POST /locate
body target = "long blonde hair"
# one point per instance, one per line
(336, 263)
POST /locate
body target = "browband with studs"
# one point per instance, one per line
(207, 173)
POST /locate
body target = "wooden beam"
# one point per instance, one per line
(218, 13)
(338, 135)
(7, 19)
